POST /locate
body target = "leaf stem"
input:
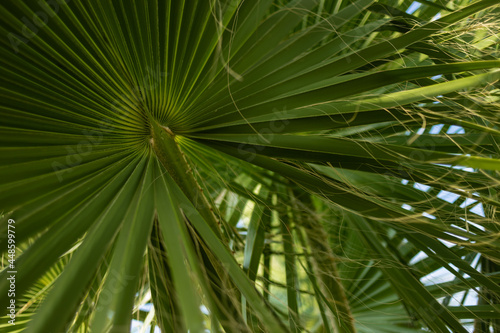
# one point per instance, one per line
(171, 157)
(326, 270)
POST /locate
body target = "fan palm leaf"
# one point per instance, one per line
(276, 166)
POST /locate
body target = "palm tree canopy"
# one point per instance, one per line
(241, 166)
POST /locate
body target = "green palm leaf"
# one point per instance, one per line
(241, 166)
